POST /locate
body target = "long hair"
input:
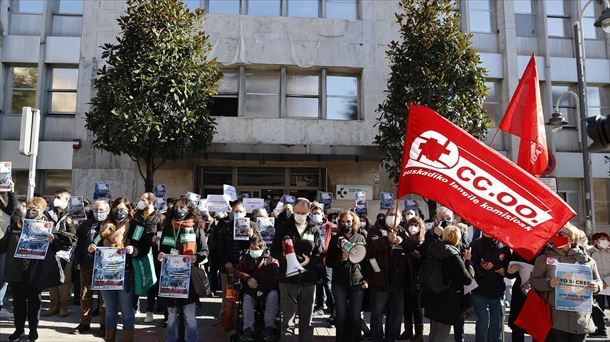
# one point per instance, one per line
(193, 213)
(115, 204)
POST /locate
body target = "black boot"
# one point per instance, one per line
(408, 334)
(419, 333)
(16, 335)
(33, 335)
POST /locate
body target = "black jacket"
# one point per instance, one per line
(345, 272)
(490, 283)
(86, 232)
(228, 249)
(306, 244)
(61, 221)
(447, 306)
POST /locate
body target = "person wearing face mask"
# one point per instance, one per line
(8, 206)
(324, 297)
(349, 280)
(566, 325)
(284, 215)
(183, 234)
(444, 217)
(388, 247)
(600, 252)
(407, 215)
(86, 233)
(59, 215)
(148, 217)
(298, 292)
(413, 317)
(260, 274)
(22, 274)
(229, 250)
(119, 230)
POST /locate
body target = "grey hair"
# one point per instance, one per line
(444, 210)
(104, 203)
(260, 212)
(303, 201)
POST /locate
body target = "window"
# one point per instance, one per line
(262, 94)
(223, 6)
(588, 19)
(567, 106)
(302, 96)
(342, 9)
(22, 88)
(264, 7)
(29, 6)
(71, 6)
(226, 102)
(598, 101)
(558, 18)
(55, 180)
(601, 201)
(303, 8)
(63, 90)
(525, 18)
(342, 97)
(481, 16)
(492, 102)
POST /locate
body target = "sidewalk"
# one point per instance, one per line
(57, 329)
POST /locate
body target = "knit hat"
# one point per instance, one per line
(39, 202)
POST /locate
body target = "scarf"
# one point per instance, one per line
(184, 234)
(113, 235)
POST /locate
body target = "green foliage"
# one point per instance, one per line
(434, 65)
(153, 97)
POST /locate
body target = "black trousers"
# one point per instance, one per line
(561, 336)
(26, 304)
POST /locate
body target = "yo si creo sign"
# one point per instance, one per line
(435, 152)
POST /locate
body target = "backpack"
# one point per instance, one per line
(432, 278)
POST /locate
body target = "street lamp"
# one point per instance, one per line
(557, 120)
(604, 19)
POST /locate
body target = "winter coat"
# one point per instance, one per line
(491, 283)
(544, 270)
(447, 306)
(201, 255)
(345, 272)
(9, 209)
(227, 248)
(392, 261)
(306, 244)
(265, 270)
(61, 220)
(414, 262)
(602, 259)
(86, 233)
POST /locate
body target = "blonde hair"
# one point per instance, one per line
(422, 228)
(572, 232)
(355, 219)
(452, 235)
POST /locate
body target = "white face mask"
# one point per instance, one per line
(362, 225)
(413, 229)
(390, 221)
(141, 205)
(239, 214)
(58, 203)
(256, 254)
(317, 218)
(604, 244)
(100, 216)
(300, 219)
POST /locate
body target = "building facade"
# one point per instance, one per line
(302, 82)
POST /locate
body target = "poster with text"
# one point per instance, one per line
(33, 243)
(5, 176)
(386, 200)
(77, 208)
(573, 292)
(240, 228)
(108, 269)
(175, 276)
(101, 191)
(161, 197)
(266, 225)
(326, 199)
(253, 203)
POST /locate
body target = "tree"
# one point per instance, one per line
(153, 97)
(434, 65)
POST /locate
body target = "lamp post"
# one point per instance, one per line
(557, 120)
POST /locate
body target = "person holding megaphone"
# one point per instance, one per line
(346, 251)
(296, 246)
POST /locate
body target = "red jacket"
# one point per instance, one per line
(265, 270)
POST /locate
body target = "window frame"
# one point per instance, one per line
(533, 17)
(14, 6)
(492, 13)
(358, 94)
(9, 89)
(284, 5)
(236, 95)
(51, 90)
(317, 73)
(564, 17)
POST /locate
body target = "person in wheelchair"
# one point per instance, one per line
(260, 274)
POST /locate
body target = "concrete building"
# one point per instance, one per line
(303, 79)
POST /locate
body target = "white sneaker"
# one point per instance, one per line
(149, 317)
(4, 313)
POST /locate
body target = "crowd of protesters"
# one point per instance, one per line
(414, 268)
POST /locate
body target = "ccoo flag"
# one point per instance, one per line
(524, 118)
(446, 164)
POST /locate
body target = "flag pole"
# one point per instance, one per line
(491, 144)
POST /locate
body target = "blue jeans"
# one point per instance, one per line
(391, 303)
(323, 289)
(115, 300)
(348, 304)
(489, 318)
(189, 313)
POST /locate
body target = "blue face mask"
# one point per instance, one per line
(180, 213)
(119, 215)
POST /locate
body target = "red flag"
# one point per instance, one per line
(535, 316)
(524, 118)
(446, 164)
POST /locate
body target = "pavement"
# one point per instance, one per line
(55, 328)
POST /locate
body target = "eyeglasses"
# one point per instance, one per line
(562, 233)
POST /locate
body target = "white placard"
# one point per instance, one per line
(253, 203)
(230, 192)
(218, 204)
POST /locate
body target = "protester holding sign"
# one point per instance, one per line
(8, 206)
(600, 252)
(183, 234)
(413, 314)
(118, 230)
(59, 215)
(388, 248)
(566, 325)
(20, 273)
(150, 218)
(86, 233)
(349, 279)
(324, 296)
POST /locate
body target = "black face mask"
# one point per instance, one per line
(32, 213)
(346, 228)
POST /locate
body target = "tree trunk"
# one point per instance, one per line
(149, 181)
